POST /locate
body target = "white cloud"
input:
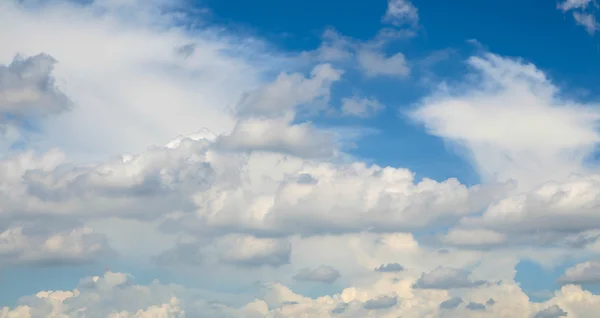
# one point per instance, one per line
(266, 116)
(587, 272)
(374, 62)
(117, 295)
(574, 4)
(512, 124)
(119, 65)
(361, 107)
(401, 12)
(237, 250)
(582, 16)
(260, 195)
(370, 57)
(334, 47)
(588, 21)
(559, 214)
(464, 237)
(280, 135)
(289, 91)
(20, 246)
(215, 191)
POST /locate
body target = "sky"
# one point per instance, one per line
(227, 158)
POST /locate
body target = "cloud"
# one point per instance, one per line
(451, 303)
(551, 312)
(237, 250)
(475, 306)
(232, 200)
(289, 91)
(281, 136)
(361, 107)
(381, 302)
(588, 21)
(582, 273)
(477, 237)
(137, 81)
(266, 116)
(374, 62)
(33, 246)
(447, 278)
(370, 57)
(334, 47)
(323, 274)
(119, 295)
(251, 251)
(551, 214)
(550, 135)
(401, 12)
(186, 253)
(28, 89)
(390, 268)
(574, 4)
(192, 186)
(581, 15)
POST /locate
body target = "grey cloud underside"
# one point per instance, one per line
(475, 306)
(447, 278)
(451, 303)
(381, 302)
(582, 273)
(390, 268)
(28, 89)
(323, 274)
(553, 311)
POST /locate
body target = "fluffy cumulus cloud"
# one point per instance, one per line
(554, 198)
(132, 136)
(118, 295)
(587, 272)
(30, 246)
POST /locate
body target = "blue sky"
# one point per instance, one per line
(281, 151)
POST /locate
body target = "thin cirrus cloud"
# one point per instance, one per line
(583, 12)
